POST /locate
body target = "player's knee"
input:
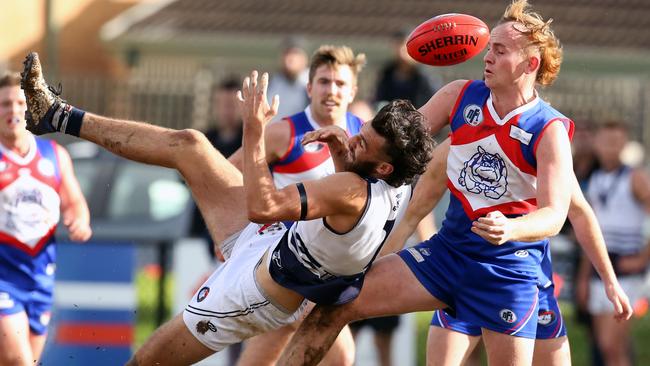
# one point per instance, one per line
(192, 145)
(190, 138)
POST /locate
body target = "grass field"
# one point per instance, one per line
(147, 291)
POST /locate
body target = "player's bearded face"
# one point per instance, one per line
(364, 168)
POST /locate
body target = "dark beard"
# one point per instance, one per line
(363, 168)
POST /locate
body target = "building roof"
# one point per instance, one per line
(594, 23)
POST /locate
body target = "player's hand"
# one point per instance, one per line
(253, 103)
(493, 227)
(78, 229)
(622, 307)
(334, 136)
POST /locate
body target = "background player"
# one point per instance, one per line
(37, 184)
(620, 196)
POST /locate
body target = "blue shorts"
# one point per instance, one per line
(482, 293)
(36, 304)
(550, 323)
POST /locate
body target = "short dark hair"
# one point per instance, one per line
(230, 83)
(10, 79)
(408, 143)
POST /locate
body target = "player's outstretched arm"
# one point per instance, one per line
(426, 195)
(339, 194)
(590, 237)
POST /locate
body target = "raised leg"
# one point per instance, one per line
(217, 186)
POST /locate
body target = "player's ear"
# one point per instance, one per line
(384, 169)
(534, 62)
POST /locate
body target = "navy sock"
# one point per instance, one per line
(74, 122)
(68, 119)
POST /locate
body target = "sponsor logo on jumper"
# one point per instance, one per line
(520, 135)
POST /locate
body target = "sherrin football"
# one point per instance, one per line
(448, 39)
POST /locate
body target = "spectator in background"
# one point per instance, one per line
(225, 131)
(584, 158)
(37, 185)
(225, 134)
(584, 164)
(290, 83)
(401, 78)
(620, 196)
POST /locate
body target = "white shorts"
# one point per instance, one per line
(230, 307)
(599, 303)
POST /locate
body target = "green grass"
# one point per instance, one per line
(147, 292)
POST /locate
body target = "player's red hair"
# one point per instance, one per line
(541, 38)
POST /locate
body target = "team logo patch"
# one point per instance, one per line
(546, 317)
(508, 316)
(485, 173)
(425, 252)
(46, 168)
(203, 293)
(313, 147)
(473, 115)
(521, 253)
(6, 302)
